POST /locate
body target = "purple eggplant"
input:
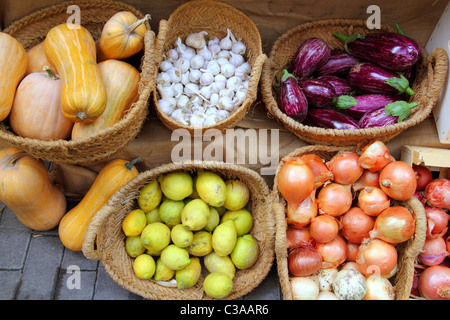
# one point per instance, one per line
(389, 50)
(370, 78)
(340, 85)
(311, 55)
(357, 106)
(340, 63)
(319, 93)
(293, 101)
(390, 114)
(329, 119)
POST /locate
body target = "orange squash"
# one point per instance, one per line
(111, 178)
(121, 80)
(122, 36)
(71, 50)
(37, 59)
(13, 65)
(36, 111)
(25, 188)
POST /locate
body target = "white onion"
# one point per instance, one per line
(304, 288)
(325, 278)
(327, 295)
(349, 285)
(379, 288)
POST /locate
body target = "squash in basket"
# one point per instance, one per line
(122, 36)
(37, 59)
(115, 174)
(25, 188)
(121, 81)
(71, 50)
(36, 111)
(13, 65)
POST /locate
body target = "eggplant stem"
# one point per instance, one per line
(340, 36)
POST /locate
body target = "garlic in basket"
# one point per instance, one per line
(203, 80)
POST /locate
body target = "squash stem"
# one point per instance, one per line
(136, 24)
(50, 74)
(11, 160)
(129, 165)
(81, 115)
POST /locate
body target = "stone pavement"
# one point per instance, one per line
(36, 266)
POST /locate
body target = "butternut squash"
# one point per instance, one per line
(121, 81)
(25, 188)
(36, 111)
(71, 50)
(37, 59)
(111, 178)
(13, 65)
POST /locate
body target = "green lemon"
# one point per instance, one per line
(174, 257)
(211, 188)
(150, 196)
(134, 222)
(189, 275)
(144, 266)
(201, 244)
(181, 237)
(243, 220)
(177, 185)
(217, 285)
(245, 252)
(162, 273)
(153, 216)
(170, 212)
(134, 246)
(215, 263)
(237, 195)
(213, 221)
(195, 215)
(155, 236)
(224, 238)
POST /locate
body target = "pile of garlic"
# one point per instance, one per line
(203, 82)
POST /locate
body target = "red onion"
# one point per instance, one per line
(437, 220)
(434, 283)
(424, 176)
(304, 261)
(437, 193)
(433, 252)
(298, 236)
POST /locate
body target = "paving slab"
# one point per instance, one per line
(9, 282)
(75, 284)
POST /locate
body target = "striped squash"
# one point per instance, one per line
(72, 51)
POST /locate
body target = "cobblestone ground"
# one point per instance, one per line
(36, 266)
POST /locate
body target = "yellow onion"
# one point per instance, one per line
(377, 257)
(334, 199)
(394, 225)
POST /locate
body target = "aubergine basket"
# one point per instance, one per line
(30, 31)
(407, 251)
(105, 239)
(431, 71)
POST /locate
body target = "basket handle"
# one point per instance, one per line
(437, 72)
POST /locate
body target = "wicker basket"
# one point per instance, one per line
(430, 78)
(104, 239)
(214, 17)
(32, 30)
(407, 251)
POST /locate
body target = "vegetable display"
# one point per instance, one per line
(352, 226)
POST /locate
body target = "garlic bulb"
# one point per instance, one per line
(205, 53)
(226, 43)
(165, 65)
(238, 48)
(227, 70)
(196, 40)
(206, 79)
(236, 59)
(197, 61)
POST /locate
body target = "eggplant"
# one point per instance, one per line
(293, 101)
(341, 86)
(357, 106)
(311, 55)
(390, 114)
(370, 78)
(389, 50)
(319, 93)
(329, 119)
(340, 63)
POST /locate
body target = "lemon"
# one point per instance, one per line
(155, 236)
(237, 195)
(134, 246)
(242, 218)
(153, 216)
(201, 244)
(213, 220)
(174, 257)
(170, 212)
(181, 237)
(144, 266)
(154, 253)
(177, 185)
(217, 285)
(224, 238)
(215, 263)
(211, 188)
(195, 215)
(245, 252)
(162, 273)
(150, 196)
(134, 222)
(189, 275)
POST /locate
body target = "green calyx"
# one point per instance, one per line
(345, 102)
(348, 39)
(286, 75)
(401, 84)
(400, 109)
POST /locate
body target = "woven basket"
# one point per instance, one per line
(32, 30)
(430, 79)
(407, 251)
(214, 17)
(104, 239)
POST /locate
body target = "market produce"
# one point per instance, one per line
(319, 93)
(144, 266)
(242, 219)
(329, 119)
(122, 36)
(155, 236)
(188, 276)
(13, 66)
(237, 195)
(25, 188)
(176, 185)
(340, 85)
(215, 263)
(379, 288)
(293, 101)
(202, 244)
(134, 222)
(224, 238)
(304, 288)
(349, 284)
(73, 226)
(204, 80)
(437, 193)
(211, 188)
(245, 252)
(37, 59)
(311, 55)
(398, 180)
(71, 50)
(357, 106)
(434, 283)
(36, 111)
(339, 63)
(217, 285)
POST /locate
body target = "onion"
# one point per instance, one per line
(325, 278)
(423, 174)
(433, 252)
(356, 225)
(448, 244)
(394, 225)
(296, 237)
(398, 180)
(352, 249)
(350, 265)
(304, 261)
(434, 283)
(374, 156)
(437, 193)
(333, 253)
(349, 285)
(373, 200)
(324, 228)
(345, 168)
(437, 220)
(300, 215)
(304, 288)
(376, 257)
(419, 196)
(326, 295)
(320, 171)
(379, 288)
(295, 181)
(334, 199)
(367, 179)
